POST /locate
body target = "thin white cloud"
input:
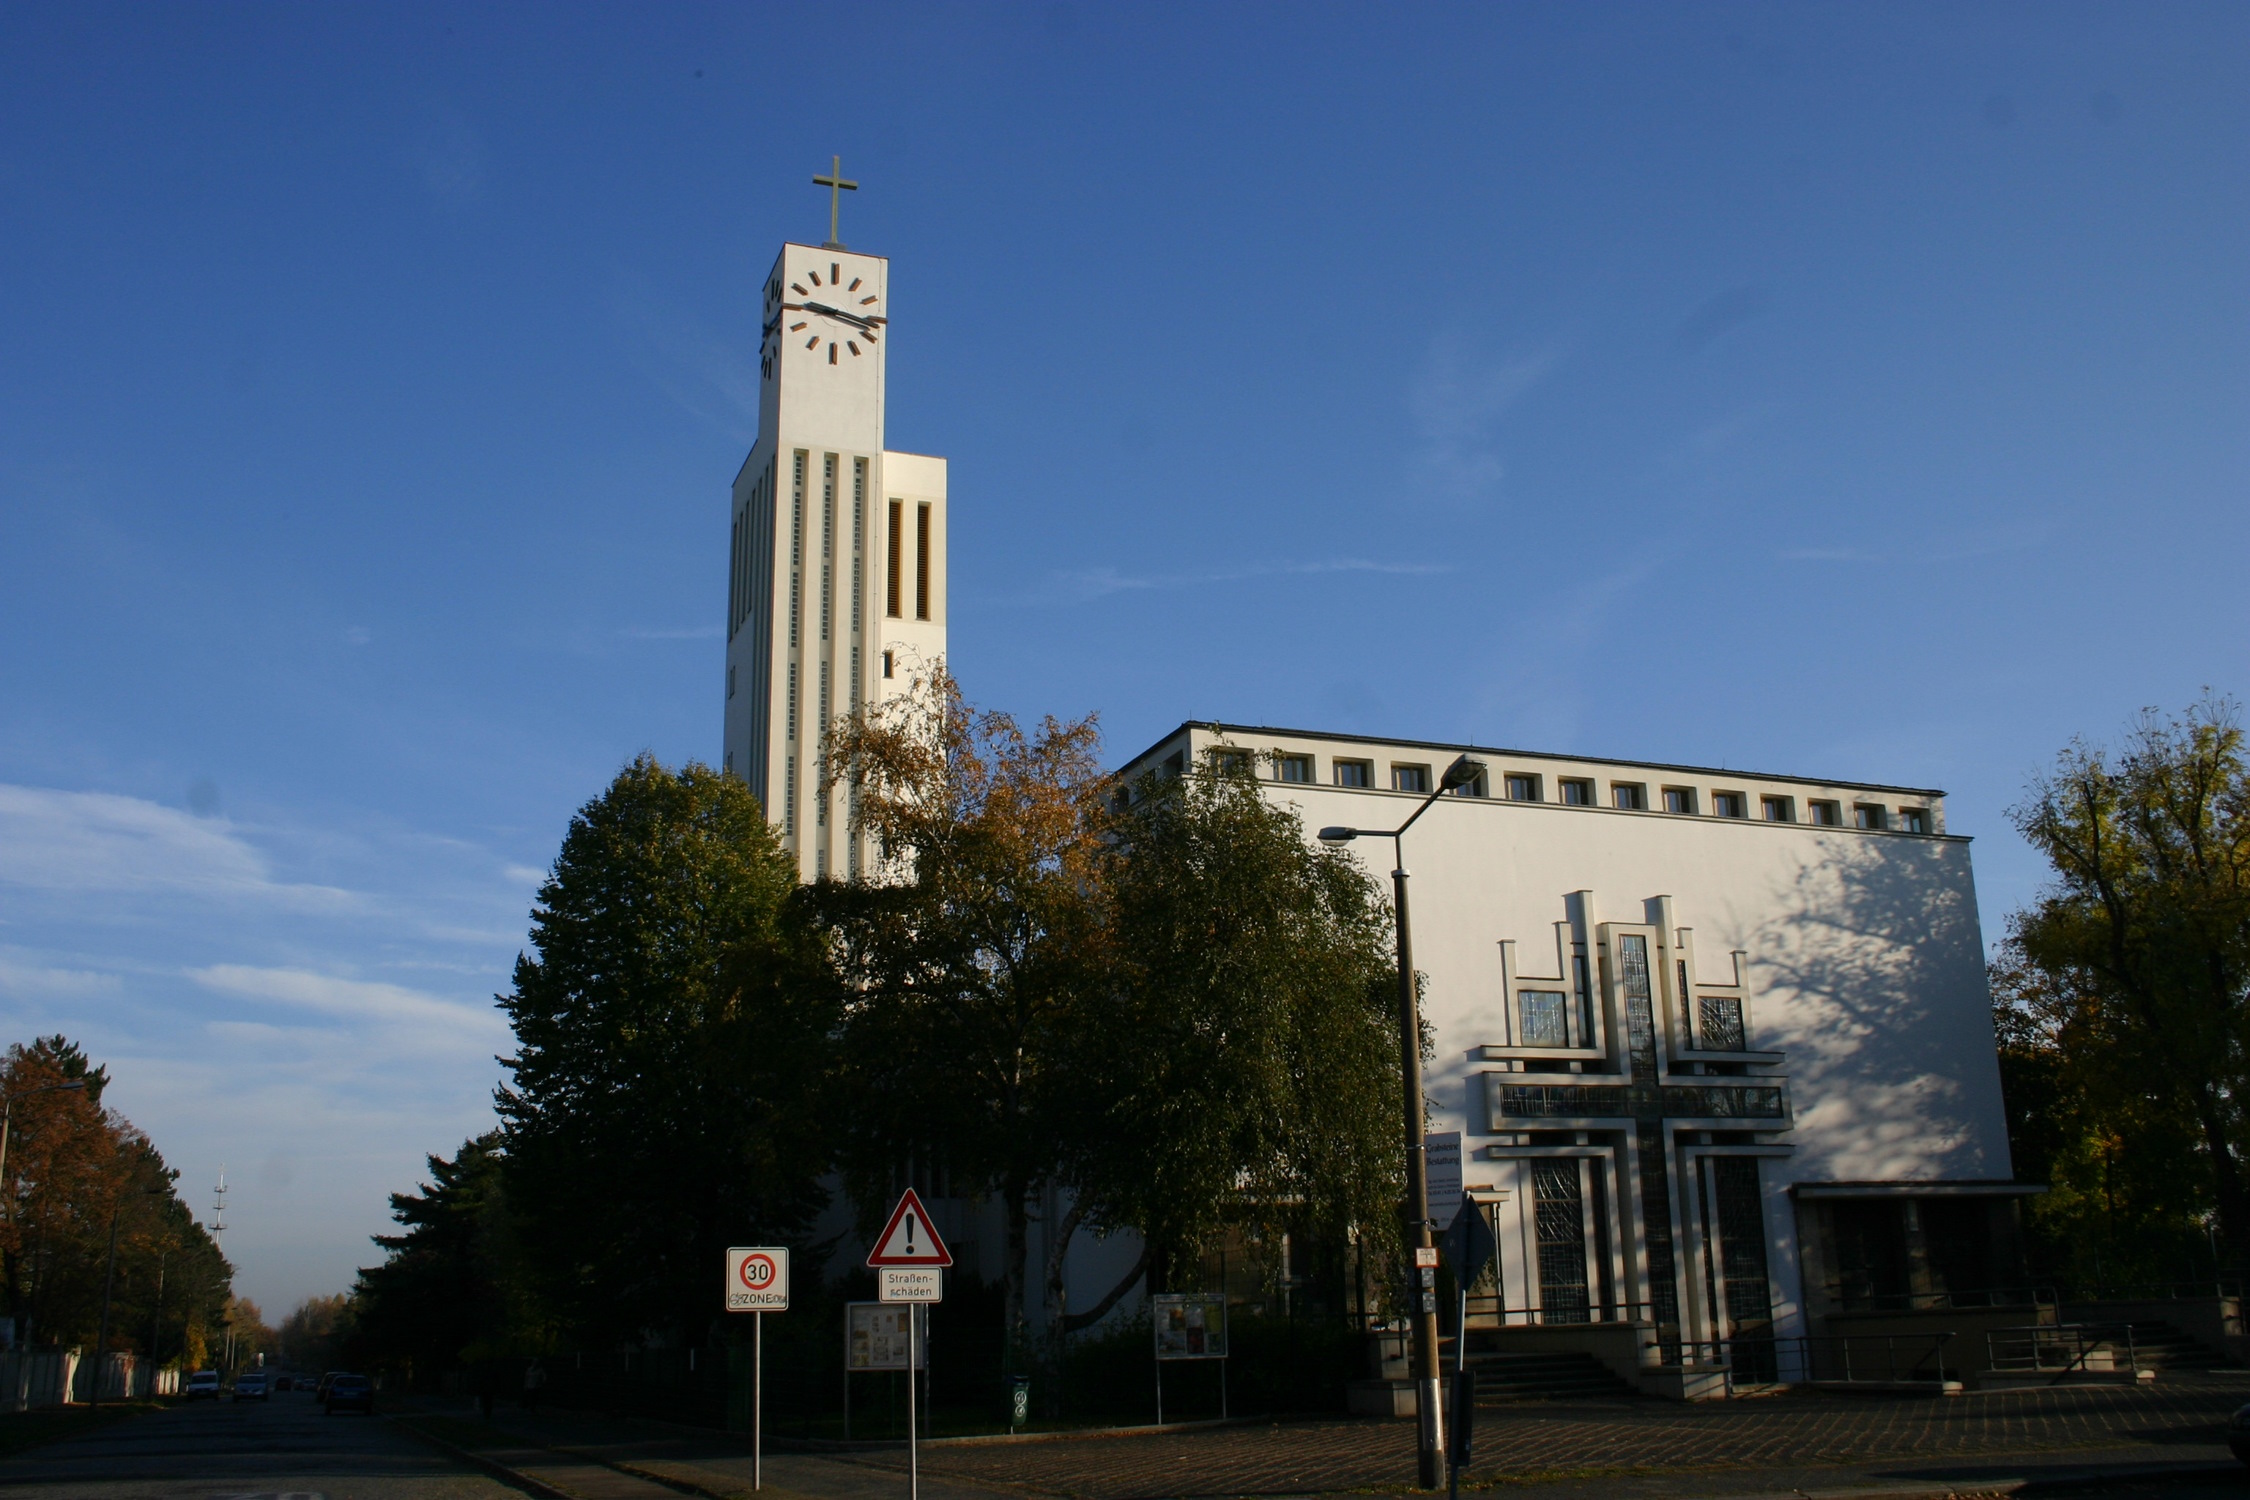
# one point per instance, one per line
(1457, 400)
(102, 842)
(1099, 583)
(525, 875)
(30, 981)
(349, 999)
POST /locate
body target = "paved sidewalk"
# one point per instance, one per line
(1624, 1450)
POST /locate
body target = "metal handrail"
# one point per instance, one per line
(1966, 1299)
(2027, 1350)
(1881, 1359)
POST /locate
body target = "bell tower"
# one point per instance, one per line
(836, 577)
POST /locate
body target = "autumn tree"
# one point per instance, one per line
(76, 1170)
(2124, 991)
(973, 961)
(314, 1334)
(667, 1095)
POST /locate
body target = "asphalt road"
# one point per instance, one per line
(285, 1448)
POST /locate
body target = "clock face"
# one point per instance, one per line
(822, 306)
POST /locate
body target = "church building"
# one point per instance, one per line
(1716, 1045)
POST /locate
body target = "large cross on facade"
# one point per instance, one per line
(837, 186)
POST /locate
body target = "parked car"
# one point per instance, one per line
(350, 1393)
(202, 1385)
(252, 1385)
(2238, 1433)
(320, 1391)
(284, 1383)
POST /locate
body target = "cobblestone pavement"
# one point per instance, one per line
(1622, 1450)
(1562, 1442)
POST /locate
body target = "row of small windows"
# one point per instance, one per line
(1576, 791)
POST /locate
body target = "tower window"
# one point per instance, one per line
(1779, 810)
(1629, 795)
(1576, 793)
(921, 562)
(1826, 814)
(1292, 768)
(1354, 773)
(1913, 820)
(898, 545)
(1868, 815)
(1679, 799)
(1410, 778)
(730, 679)
(1522, 788)
(887, 664)
(1727, 805)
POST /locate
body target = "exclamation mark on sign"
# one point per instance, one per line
(910, 1234)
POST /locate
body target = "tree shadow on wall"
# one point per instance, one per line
(1869, 973)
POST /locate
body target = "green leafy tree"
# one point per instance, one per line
(2122, 995)
(1242, 1071)
(669, 1090)
(449, 1291)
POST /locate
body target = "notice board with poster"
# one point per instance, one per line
(875, 1335)
(1189, 1325)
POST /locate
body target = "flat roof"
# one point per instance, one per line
(1220, 727)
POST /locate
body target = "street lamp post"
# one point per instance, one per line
(1430, 1443)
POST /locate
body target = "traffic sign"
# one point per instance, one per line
(909, 1239)
(910, 1284)
(758, 1280)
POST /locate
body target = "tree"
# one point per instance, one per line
(668, 1093)
(449, 1290)
(972, 963)
(313, 1336)
(75, 1169)
(1242, 1071)
(2122, 990)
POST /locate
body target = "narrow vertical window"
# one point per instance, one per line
(921, 562)
(898, 543)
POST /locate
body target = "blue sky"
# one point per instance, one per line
(1854, 390)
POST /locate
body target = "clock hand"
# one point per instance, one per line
(838, 313)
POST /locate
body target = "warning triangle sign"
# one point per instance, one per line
(909, 1239)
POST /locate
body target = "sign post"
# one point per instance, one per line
(758, 1283)
(908, 1258)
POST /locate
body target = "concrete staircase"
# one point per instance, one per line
(1504, 1378)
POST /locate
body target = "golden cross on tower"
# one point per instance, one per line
(837, 185)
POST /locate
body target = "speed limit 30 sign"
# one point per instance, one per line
(758, 1280)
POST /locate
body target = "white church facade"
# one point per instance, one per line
(1717, 1045)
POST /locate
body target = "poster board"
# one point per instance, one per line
(875, 1336)
(1189, 1325)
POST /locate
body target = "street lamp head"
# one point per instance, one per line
(1338, 835)
(1462, 772)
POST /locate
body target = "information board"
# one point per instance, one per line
(875, 1336)
(1189, 1325)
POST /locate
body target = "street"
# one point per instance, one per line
(282, 1449)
